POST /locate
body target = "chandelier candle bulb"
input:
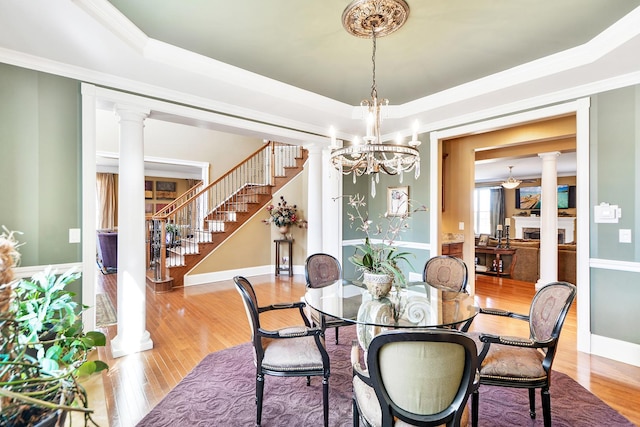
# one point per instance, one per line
(369, 125)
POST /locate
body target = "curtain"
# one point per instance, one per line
(497, 209)
(106, 208)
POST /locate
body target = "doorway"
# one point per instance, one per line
(457, 184)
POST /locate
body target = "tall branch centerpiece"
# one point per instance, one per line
(380, 262)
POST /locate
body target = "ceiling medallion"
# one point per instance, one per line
(361, 17)
(373, 19)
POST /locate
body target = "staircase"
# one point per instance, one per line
(198, 221)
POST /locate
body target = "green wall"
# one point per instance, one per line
(615, 159)
(614, 301)
(418, 222)
(40, 164)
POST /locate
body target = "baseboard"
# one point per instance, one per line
(27, 272)
(621, 351)
(217, 276)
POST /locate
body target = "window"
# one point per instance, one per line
(482, 210)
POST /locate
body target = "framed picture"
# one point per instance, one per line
(483, 240)
(148, 189)
(165, 190)
(397, 201)
(160, 206)
(148, 208)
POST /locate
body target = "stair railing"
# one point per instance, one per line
(179, 227)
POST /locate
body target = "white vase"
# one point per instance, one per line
(284, 229)
(378, 284)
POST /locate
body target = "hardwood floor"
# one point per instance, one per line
(187, 324)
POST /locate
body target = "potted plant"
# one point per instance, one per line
(173, 235)
(379, 262)
(284, 216)
(44, 350)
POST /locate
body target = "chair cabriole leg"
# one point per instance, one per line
(532, 403)
(475, 401)
(546, 406)
(259, 390)
(325, 400)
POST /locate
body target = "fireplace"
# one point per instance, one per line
(531, 224)
(534, 234)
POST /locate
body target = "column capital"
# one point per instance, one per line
(314, 148)
(549, 155)
(131, 112)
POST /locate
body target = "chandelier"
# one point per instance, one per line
(374, 19)
(511, 182)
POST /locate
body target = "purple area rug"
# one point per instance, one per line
(220, 392)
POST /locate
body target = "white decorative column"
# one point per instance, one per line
(314, 200)
(549, 220)
(132, 334)
(331, 207)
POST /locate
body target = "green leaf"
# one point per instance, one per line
(367, 260)
(99, 339)
(53, 352)
(49, 365)
(101, 366)
(27, 285)
(91, 366)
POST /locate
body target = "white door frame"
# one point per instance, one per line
(580, 108)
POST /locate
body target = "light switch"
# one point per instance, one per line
(74, 235)
(624, 235)
(461, 226)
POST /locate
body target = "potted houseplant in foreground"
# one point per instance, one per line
(379, 262)
(44, 350)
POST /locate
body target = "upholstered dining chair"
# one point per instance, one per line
(446, 272)
(322, 270)
(287, 352)
(417, 378)
(508, 361)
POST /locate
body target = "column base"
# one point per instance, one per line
(121, 348)
(541, 283)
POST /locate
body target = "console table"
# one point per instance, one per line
(491, 255)
(288, 266)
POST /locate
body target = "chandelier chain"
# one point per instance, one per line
(374, 88)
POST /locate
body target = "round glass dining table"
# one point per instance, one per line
(418, 305)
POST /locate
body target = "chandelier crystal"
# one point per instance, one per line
(374, 19)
